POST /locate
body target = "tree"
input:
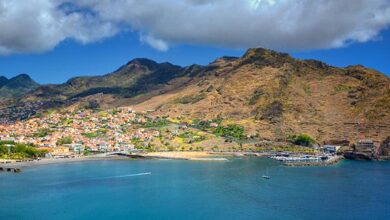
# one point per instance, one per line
(20, 151)
(64, 140)
(303, 140)
(230, 131)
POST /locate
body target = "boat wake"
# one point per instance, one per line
(124, 176)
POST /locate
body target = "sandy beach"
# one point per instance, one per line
(196, 156)
(185, 155)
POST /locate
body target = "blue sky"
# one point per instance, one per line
(53, 41)
(71, 59)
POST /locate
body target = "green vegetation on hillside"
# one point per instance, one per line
(154, 123)
(230, 131)
(302, 140)
(42, 132)
(343, 88)
(205, 125)
(17, 86)
(12, 150)
(64, 140)
(191, 99)
(191, 137)
(91, 135)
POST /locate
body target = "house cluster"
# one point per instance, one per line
(73, 132)
(364, 146)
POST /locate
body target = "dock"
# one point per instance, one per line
(308, 160)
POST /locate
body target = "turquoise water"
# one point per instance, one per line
(158, 189)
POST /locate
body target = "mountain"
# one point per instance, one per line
(271, 94)
(17, 86)
(136, 77)
(275, 96)
(3, 81)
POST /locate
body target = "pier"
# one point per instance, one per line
(308, 160)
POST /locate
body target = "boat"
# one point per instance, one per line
(266, 176)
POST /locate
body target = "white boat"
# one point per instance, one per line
(266, 176)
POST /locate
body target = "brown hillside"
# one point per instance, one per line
(275, 96)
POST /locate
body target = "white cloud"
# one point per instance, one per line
(39, 25)
(154, 42)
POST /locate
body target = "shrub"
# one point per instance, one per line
(91, 135)
(42, 132)
(230, 131)
(191, 99)
(343, 88)
(20, 151)
(303, 140)
(64, 140)
(191, 137)
(158, 122)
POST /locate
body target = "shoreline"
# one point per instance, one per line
(191, 156)
(171, 155)
(49, 161)
(184, 155)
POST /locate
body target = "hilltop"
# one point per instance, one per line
(17, 86)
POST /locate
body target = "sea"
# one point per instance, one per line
(178, 189)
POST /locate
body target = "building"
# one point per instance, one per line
(365, 146)
(330, 149)
(61, 151)
(104, 147)
(76, 148)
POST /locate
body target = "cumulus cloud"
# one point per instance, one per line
(276, 24)
(39, 25)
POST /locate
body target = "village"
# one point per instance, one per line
(70, 133)
(83, 132)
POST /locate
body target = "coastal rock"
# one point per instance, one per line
(357, 156)
(384, 149)
(337, 142)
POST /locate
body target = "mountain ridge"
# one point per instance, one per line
(17, 86)
(271, 94)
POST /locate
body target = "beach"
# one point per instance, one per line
(184, 155)
(195, 156)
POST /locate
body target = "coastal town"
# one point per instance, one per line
(83, 132)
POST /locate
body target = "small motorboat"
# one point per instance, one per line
(266, 176)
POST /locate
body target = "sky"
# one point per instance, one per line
(54, 40)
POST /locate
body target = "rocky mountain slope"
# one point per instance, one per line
(271, 94)
(275, 96)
